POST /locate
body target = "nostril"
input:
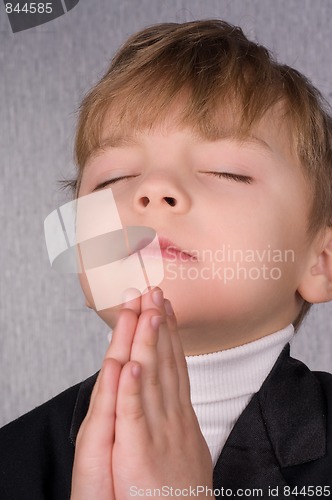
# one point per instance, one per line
(170, 201)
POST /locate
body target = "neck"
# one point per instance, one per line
(219, 338)
(222, 383)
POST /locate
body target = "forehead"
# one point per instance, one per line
(271, 134)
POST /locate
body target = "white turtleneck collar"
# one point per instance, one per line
(222, 383)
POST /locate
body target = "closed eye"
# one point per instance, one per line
(113, 181)
(235, 177)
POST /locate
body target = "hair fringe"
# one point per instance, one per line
(220, 73)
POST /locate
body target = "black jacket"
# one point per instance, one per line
(280, 445)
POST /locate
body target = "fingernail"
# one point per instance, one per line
(109, 337)
(158, 297)
(136, 370)
(155, 322)
(168, 308)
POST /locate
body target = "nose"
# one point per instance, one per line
(162, 193)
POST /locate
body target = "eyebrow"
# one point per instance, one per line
(252, 139)
(113, 141)
(123, 141)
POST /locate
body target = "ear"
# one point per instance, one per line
(316, 283)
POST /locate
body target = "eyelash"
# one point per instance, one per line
(234, 177)
(113, 181)
(226, 175)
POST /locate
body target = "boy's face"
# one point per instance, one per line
(246, 235)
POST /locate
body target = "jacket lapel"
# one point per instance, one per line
(81, 406)
(283, 425)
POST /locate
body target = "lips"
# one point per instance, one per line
(166, 243)
(166, 247)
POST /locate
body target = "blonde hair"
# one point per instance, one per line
(219, 71)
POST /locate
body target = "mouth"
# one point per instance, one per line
(166, 249)
(171, 251)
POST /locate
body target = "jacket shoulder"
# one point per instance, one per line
(316, 473)
(44, 417)
(36, 452)
(325, 379)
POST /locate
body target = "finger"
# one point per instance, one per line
(129, 405)
(173, 373)
(180, 360)
(167, 361)
(132, 300)
(153, 298)
(124, 331)
(122, 337)
(96, 434)
(120, 345)
(167, 364)
(144, 351)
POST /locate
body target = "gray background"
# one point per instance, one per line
(49, 340)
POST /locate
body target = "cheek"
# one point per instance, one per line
(86, 289)
(110, 315)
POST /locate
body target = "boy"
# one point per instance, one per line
(227, 156)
